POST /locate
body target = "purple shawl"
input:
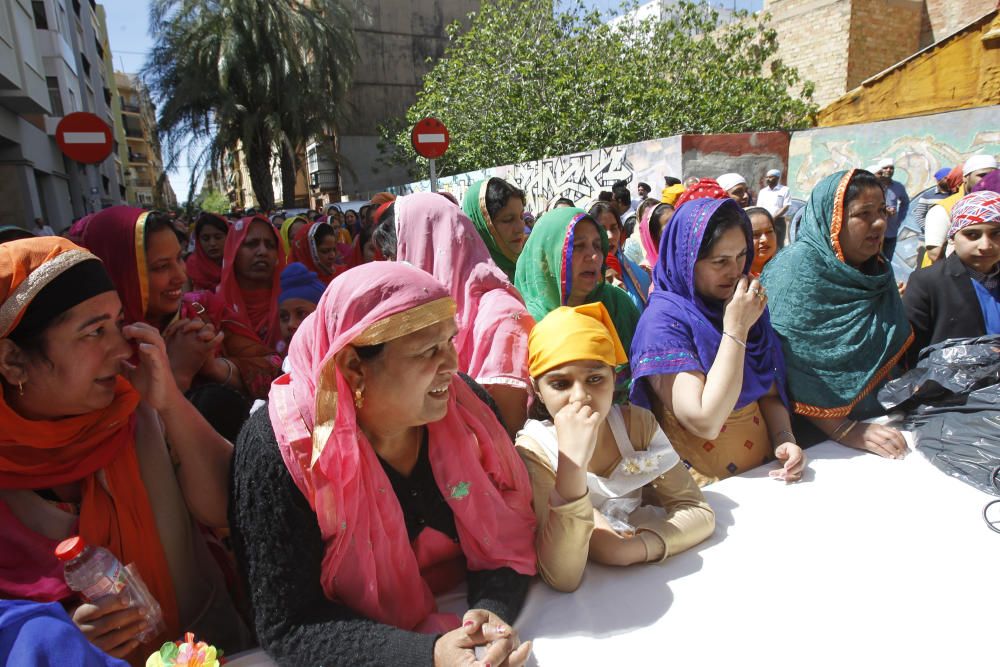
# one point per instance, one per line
(680, 331)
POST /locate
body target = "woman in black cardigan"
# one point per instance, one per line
(377, 480)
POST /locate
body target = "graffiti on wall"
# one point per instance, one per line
(579, 176)
(919, 146)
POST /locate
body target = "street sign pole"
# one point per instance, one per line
(430, 140)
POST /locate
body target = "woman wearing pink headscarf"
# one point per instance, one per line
(650, 229)
(376, 480)
(427, 231)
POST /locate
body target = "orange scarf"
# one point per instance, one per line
(119, 517)
(115, 512)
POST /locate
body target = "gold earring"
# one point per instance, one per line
(359, 399)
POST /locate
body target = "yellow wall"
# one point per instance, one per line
(959, 73)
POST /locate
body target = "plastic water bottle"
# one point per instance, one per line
(95, 573)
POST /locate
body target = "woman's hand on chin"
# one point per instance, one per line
(486, 629)
(152, 378)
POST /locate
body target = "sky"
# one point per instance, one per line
(128, 32)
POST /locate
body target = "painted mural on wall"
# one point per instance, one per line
(920, 146)
(579, 176)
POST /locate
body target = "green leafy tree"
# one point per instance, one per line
(265, 74)
(524, 82)
(213, 201)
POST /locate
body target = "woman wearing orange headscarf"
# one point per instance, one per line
(83, 451)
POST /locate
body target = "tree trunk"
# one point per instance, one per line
(259, 165)
(289, 175)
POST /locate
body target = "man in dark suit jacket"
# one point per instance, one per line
(941, 303)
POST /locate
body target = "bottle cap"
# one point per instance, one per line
(70, 548)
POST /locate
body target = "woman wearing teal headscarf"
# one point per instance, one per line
(563, 265)
(496, 208)
(835, 305)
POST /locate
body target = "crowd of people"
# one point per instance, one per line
(301, 430)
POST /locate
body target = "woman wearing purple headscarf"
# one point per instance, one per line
(704, 357)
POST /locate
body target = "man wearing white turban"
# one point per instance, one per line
(774, 196)
(939, 217)
(736, 187)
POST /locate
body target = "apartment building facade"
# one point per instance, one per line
(54, 60)
(139, 148)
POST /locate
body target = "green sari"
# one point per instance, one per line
(542, 281)
(474, 206)
(842, 330)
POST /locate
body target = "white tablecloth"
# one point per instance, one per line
(866, 561)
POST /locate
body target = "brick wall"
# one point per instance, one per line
(883, 32)
(813, 37)
(943, 17)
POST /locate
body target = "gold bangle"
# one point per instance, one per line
(839, 434)
(848, 429)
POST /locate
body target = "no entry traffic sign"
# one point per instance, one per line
(430, 138)
(84, 137)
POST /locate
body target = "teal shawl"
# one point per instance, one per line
(842, 330)
(543, 268)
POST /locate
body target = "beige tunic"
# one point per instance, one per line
(743, 444)
(564, 530)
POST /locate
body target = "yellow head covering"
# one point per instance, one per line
(574, 334)
(285, 234)
(671, 194)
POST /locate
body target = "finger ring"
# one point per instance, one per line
(756, 292)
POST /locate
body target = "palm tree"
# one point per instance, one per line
(268, 74)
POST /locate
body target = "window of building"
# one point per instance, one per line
(41, 20)
(55, 99)
(86, 64)
(76, 7)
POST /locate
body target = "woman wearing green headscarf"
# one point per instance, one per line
(563, 265)
(835, 305)
(496, 208)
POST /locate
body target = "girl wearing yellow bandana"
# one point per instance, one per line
(590, 461)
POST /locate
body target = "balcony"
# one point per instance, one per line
(134, 134)
(130, 108)
(142, 182)
(137, 158)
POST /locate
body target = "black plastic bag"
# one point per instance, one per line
(956, 374)
(963, 445)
